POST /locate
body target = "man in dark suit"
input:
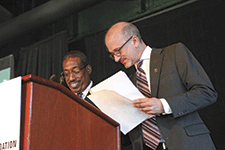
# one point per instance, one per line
(178, 85)
(76, 72)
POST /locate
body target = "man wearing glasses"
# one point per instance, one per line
(175, 88)
(76, 73)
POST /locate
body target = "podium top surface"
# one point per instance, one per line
(32, 78)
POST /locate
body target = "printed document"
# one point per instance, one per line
(114, 96)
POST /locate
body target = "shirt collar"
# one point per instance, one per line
(146, 54)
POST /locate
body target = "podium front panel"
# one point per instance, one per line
(55, 121)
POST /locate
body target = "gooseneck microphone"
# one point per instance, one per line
(52, 77)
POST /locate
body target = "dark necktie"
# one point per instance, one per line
(80, 95)
(150, 129)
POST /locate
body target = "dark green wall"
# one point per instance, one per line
(91, 21)
(102, 16)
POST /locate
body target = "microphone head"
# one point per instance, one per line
(52, 77)
(61, 80)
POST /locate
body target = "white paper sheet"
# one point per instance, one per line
(114, 96)
(121, 84)
(10, 102)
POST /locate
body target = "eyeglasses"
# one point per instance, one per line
(117, 53)
(75, 71)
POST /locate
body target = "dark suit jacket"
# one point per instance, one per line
(178, 77)
(89, 101)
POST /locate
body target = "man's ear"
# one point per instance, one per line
(135, 40)
(89, 69)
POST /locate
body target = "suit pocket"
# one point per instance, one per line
(197, 129)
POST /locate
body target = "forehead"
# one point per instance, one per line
(71, 63)
(114, 41)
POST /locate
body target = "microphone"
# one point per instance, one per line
(52, 77)
(61, 80)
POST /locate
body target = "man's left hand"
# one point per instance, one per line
(152, 106)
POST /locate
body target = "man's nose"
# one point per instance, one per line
(71, 76)
(116, 58)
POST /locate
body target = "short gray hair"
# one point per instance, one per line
(130, 30)
(79, 54)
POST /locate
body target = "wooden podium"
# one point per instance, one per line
(54, 118)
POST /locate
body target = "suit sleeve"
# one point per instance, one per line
(199, 89)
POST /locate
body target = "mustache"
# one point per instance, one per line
(74, 81)
(122, 59)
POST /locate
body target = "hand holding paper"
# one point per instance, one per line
(114, 96)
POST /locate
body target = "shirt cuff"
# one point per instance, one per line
(166, 107)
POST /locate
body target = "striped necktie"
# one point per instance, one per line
(149, 127)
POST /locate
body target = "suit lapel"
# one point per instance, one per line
(155, 70)
(89, 101)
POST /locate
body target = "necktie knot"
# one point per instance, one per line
(139, 64)
(80, 95)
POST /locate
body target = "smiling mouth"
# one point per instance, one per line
(74, 84)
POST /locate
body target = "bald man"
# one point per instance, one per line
(177, 88)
